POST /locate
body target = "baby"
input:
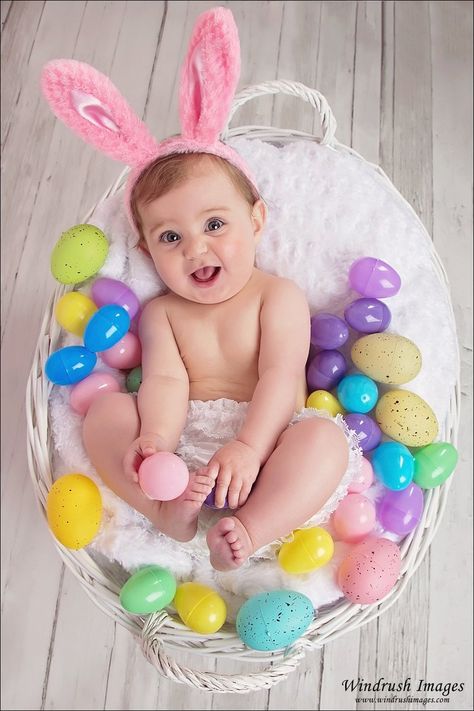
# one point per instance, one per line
(224, 330)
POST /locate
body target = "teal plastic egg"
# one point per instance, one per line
(393, 465)
(69, 365)
(149, 589)
(106, 328)
(79, 254)
(274, 620)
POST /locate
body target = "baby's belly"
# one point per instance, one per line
(240, 391)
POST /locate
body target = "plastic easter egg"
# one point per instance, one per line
(328, 331)
(387, 358)
(200, 607)
(406, 417)
(112, 291)
(357, 393)
(134, 379)
(393, 465)
(210, 501)
(370, 276)
(163, 476)
(79, 254)
(366, 428)
(274, 620)
(74, 510)
(148, 590)
(127, 353)
(73, 311)
(363, 479)
(322, 400)
(368, 315)
(354, 518)
(370, 570)
(434, 464)
(69, 365)
(311, 548)
(325, 370)
(107, 326)
(86, 391)
(400, 511)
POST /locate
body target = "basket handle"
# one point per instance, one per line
(291, 88)
(153, 650)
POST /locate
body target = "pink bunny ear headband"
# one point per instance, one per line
(88, 102)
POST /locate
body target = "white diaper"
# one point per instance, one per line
(212, 423)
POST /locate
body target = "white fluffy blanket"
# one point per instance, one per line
(326, 209)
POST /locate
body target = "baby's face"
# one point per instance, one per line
(202, 236)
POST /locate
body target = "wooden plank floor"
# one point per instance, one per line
(398, 78)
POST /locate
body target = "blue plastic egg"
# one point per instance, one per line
(106, 327)
(357, 393)
(393, 465)
(274, 620)
(69, 365)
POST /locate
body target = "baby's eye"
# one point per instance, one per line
(214, 224)
(169, 237)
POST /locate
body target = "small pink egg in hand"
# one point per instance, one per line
(87, 390)
(125, 355)
(354, 518)
(163, 476)
(363, 479)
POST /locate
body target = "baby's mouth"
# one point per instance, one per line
(205, 275)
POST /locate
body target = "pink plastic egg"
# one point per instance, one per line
(125, 355)
(363, 479)
(85, 392)
(370, 570)
(163, 476)
(354, 518)
(112, 291)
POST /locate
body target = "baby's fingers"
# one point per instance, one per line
(234, 493)
(222, 486)
(131, 464)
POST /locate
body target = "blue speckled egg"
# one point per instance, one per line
(69, 365)
(274, 620)
(106, 327)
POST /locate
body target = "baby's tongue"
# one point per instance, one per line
(204, 273)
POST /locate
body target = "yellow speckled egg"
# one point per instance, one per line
(74, 510)
(387, 358)
(407, 418)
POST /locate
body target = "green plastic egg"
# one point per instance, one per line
(434, 464)
(148, 590)
(79, 254)
(134, 379)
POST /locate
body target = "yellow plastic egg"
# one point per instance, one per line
(323, 400)
(74, 510)
(387, 358)
(407, 418)
(200, 607)
(310, 548)
(73, 311)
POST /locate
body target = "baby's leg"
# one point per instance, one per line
(110, 426)
(303, 471)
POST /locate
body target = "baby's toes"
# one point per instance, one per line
(236, 546)
(231, 537)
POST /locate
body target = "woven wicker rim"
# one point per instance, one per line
(161, 628)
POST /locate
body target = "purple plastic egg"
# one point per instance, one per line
(368, 315)
(370, 276)
(112, 291)
(328, 331)
(211, 503)
(400, 511)
(325, 370)
(367, 429)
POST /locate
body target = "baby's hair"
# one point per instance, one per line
(168, 172)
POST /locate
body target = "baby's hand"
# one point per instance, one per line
(236, 466)
(142, 447)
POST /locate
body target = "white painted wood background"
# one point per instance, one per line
(398, 78)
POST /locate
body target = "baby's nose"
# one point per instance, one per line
(195, 248)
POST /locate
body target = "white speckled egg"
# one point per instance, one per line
(387, 358)
(407, 418)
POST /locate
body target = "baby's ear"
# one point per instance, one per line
(88, 102)
(210, 75)
(259, 218)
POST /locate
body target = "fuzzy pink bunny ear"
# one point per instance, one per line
(209, 76)
(92, 106)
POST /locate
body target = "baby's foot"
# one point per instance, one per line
(229, 544)
(178, 518)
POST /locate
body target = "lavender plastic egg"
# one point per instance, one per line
(400, 511)
(367, 429)
(370, 276)
(368, 315)
(112, 291)
(325, 370)
(210, 501)
(328, 331)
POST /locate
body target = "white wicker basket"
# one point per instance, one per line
(161, 629)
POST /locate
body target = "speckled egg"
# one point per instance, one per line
(407, 418)
(79, 254)
(274, 620)
(387, 358)
(370, 570)
(74, 510)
